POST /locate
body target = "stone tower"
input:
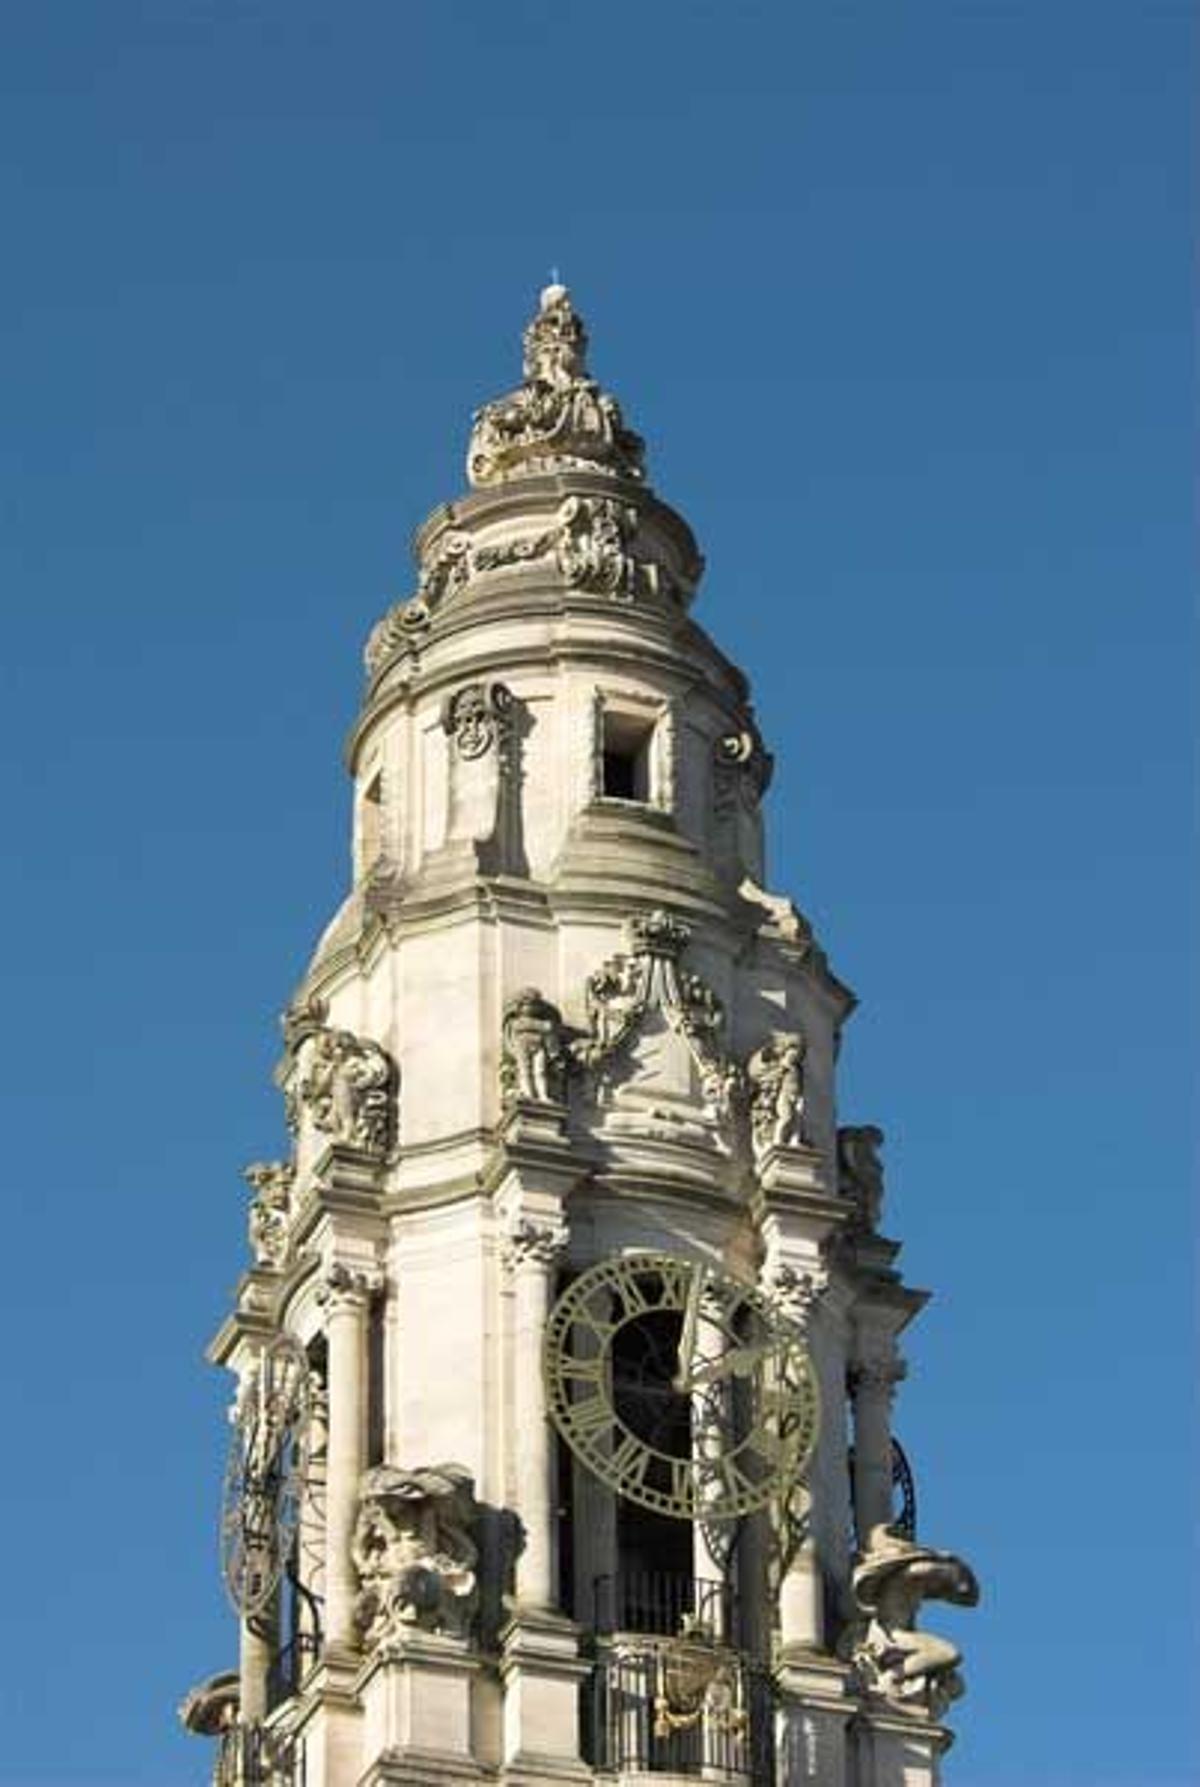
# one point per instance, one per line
(565, 1362)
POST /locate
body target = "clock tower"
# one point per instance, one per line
(565, 1360)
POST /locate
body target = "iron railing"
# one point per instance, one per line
(259, 1756)
(662, 1602)
(658, 1706)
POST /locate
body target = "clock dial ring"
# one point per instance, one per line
(266, 1475)
(743, 1380)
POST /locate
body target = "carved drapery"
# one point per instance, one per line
(415, 1552)
(914, 1672)
(559, 418)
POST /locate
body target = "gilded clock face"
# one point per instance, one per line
(681, 1388)
(265, 1477)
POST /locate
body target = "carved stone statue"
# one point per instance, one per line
(345, 1083)
(860, 1171)
(915, 1672)
(414, 1551)
(271, 1181)
(776, 1076)
(535, 1060)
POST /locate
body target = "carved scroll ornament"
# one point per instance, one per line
(415, 1552)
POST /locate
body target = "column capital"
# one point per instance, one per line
(794, 1290)
(348, 1287)
(877, 1372)
(536, 1241)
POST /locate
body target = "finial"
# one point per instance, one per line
(559, 418)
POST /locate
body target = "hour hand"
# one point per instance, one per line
(684, 1379)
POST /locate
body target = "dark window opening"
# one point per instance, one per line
(626, 757)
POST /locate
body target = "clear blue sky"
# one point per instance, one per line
(899, 295)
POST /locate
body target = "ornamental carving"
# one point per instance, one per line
(415, 1552)
(742, 769)
(444, 571)
(590, 544)
(534, 1059)
(559, 418)
(698, 1681)
(270, 1210)
(776, 1077)
(621, 992)
(533, 1241)
(794, 1292)
(915, 1672)
(476, 717)
(345, 1085)
(346, 1287)
(860, 1172)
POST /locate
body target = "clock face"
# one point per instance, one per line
(682, 1389)
(265, 1478)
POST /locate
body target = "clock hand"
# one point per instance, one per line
(684, 1379)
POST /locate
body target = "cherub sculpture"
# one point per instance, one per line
(776, 1076)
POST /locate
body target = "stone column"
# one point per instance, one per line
(346, 1295)
(254, 1662)
(531, 1249)
(795, 1288)
(873, 1379)
(710, 1558)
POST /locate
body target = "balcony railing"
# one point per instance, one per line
(680, 1707)
(662, 1602)
(259, 1756)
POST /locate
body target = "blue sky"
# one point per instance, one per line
(899, 296)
